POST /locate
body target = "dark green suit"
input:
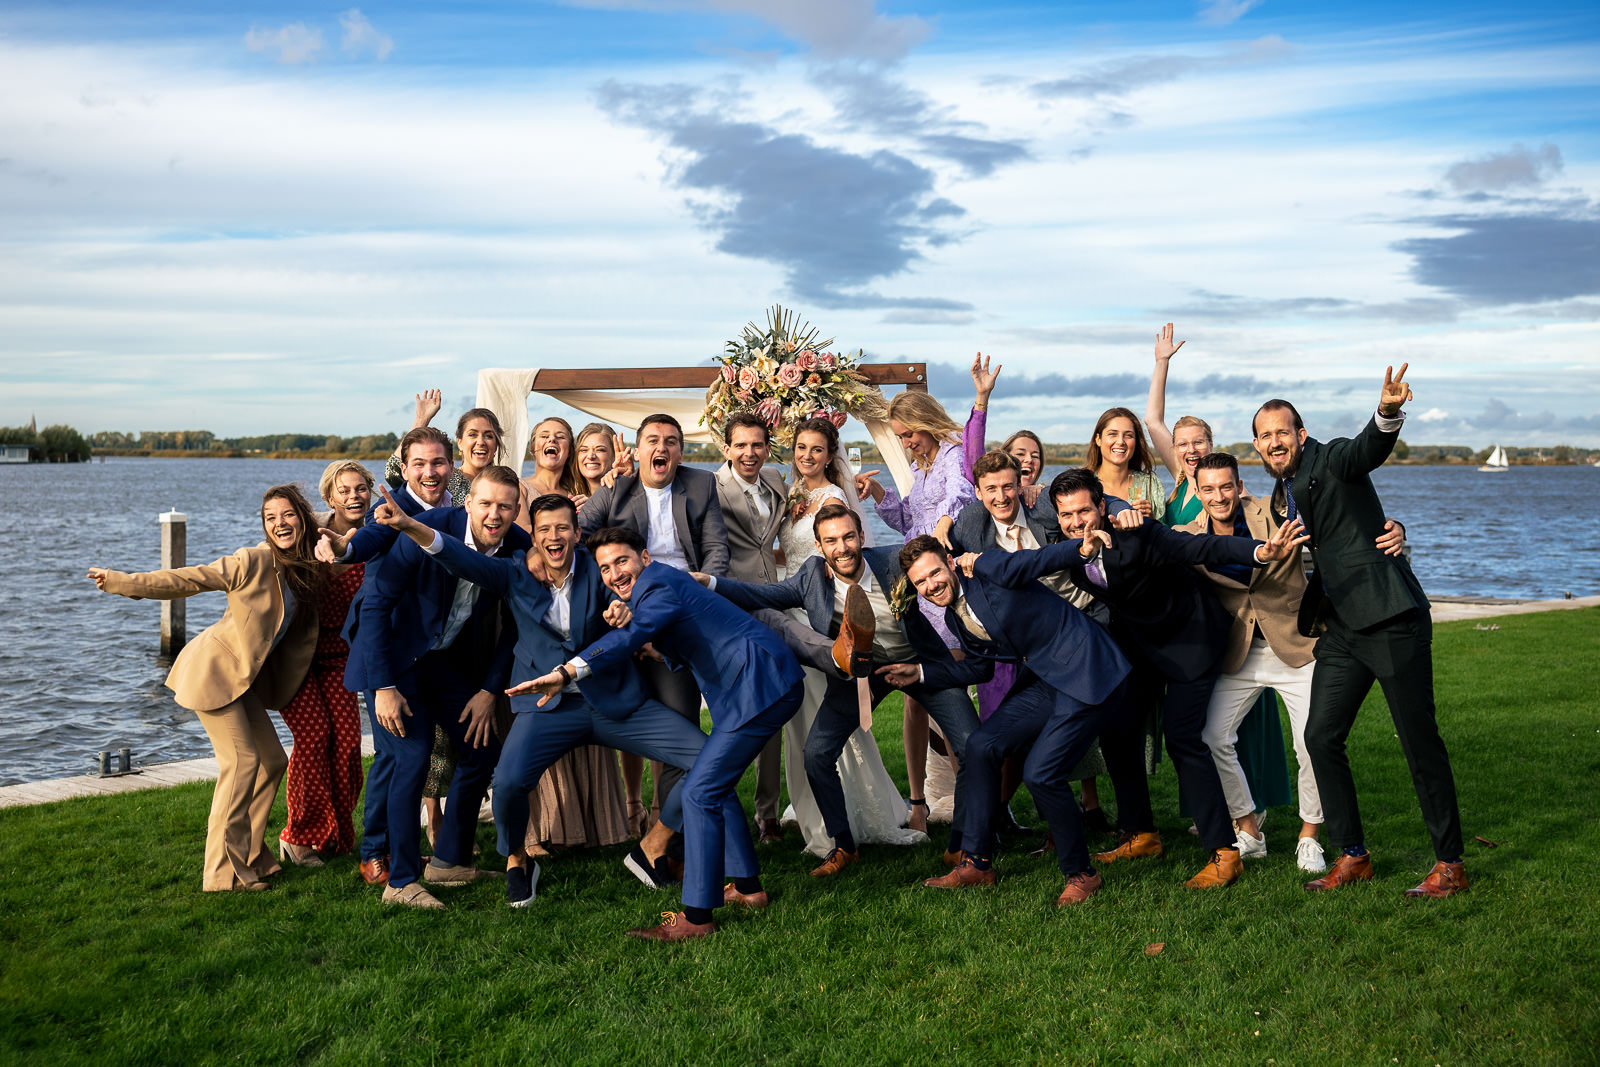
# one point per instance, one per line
(1378, 628)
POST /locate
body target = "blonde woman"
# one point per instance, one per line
(1121, 460)
(939, 490)
(1181, 447)
(253, 658)
(325, 767)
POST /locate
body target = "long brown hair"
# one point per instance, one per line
(829, 434)
(1140, 460)
(299, 562)
(572, 482)
(494, 424)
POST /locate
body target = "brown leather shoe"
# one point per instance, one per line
(965, 875)
(375, 871)
(852, 649)
(768, 832)
(1446, 879)
(1222, 869)
(732, 896)
(837, 861)
(1080, 887)
(954, 858)
(675, 926)
(1131, 846)
(1347, 869)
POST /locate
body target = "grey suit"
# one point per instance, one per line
(696, 513)
(750, 559)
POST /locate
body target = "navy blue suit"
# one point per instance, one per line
(403, 617)
(1072, 679)
(752, 685)
(812, 588)
(1175, 633)
(611, 708)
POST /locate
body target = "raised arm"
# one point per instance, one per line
(224, 575)
(1352, 457)
(1016, 569)
(1155, 406)
(976, 433)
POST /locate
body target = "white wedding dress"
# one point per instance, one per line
(877, 812)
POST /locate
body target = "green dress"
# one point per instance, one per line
(1260, 743)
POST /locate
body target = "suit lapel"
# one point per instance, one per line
(582, 600)
(680, 521)
(982, 610)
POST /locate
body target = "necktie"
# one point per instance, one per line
(757, 503)
(970, 620)
(1015, 533)
(1288, 496)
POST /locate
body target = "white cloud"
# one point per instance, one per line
(295, 43)
(1433, 415)
(361, 36)
(1225, 12)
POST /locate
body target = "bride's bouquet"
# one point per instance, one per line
(784, 376)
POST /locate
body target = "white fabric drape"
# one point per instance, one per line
(505, 392)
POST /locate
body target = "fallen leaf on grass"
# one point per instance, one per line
(1155, 948)
(1485, 841)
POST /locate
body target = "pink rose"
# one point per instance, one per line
(728, 373)
(747, 378)
(806, 360)
(769, 410)
(839, 419)
(790, 375)
(827, 361)
(813, 380)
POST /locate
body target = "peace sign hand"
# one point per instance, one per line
(1396, 391)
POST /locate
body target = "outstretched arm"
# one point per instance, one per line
(752, 596)
(1155, 406)
(487, 572)
(224, 575)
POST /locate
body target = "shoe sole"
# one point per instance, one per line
(639, 872)
(533, 890)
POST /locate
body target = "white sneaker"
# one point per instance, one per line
(1308, 856)
(1251, 847)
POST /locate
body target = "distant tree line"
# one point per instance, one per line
(204, 441)
(53, 444)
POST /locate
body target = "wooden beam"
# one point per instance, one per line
(910, 375)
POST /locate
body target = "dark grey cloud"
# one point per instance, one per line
(1509, 259)
(1500, 417)
(951, 379)
(868, 98)
(1517, 167)
(834, 220)
(1123, 76)
(1231, 308)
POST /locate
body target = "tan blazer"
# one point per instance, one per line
(1271, 600)
(231, 656)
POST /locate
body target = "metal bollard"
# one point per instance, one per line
(174, 547)
(124, 760)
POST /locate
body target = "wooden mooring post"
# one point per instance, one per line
(174, 546)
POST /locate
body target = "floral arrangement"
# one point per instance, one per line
(784, 376)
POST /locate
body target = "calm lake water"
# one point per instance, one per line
(80, 672)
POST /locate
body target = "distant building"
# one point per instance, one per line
(14, 453)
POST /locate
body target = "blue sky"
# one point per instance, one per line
(294, 217)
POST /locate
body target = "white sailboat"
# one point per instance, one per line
(1497, 461)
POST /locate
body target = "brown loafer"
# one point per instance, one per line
(852, 649)
(966, 874)
(1446, 879)
(375, 871)
(1080, 887)
(1132, 846)
(674, 926)
(1347, 869)
(731, 896)
(837, 861)
(1222, 869)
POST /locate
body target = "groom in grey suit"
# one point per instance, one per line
(754, 499)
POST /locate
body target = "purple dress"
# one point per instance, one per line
(942, 489)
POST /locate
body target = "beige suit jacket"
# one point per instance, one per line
(232, 655)
(1271, 600)
(750, 540)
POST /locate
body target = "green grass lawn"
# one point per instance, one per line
(112, 954)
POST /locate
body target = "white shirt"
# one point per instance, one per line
(662, 536)
(889, 644)
(559, 615)
(758, 499)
